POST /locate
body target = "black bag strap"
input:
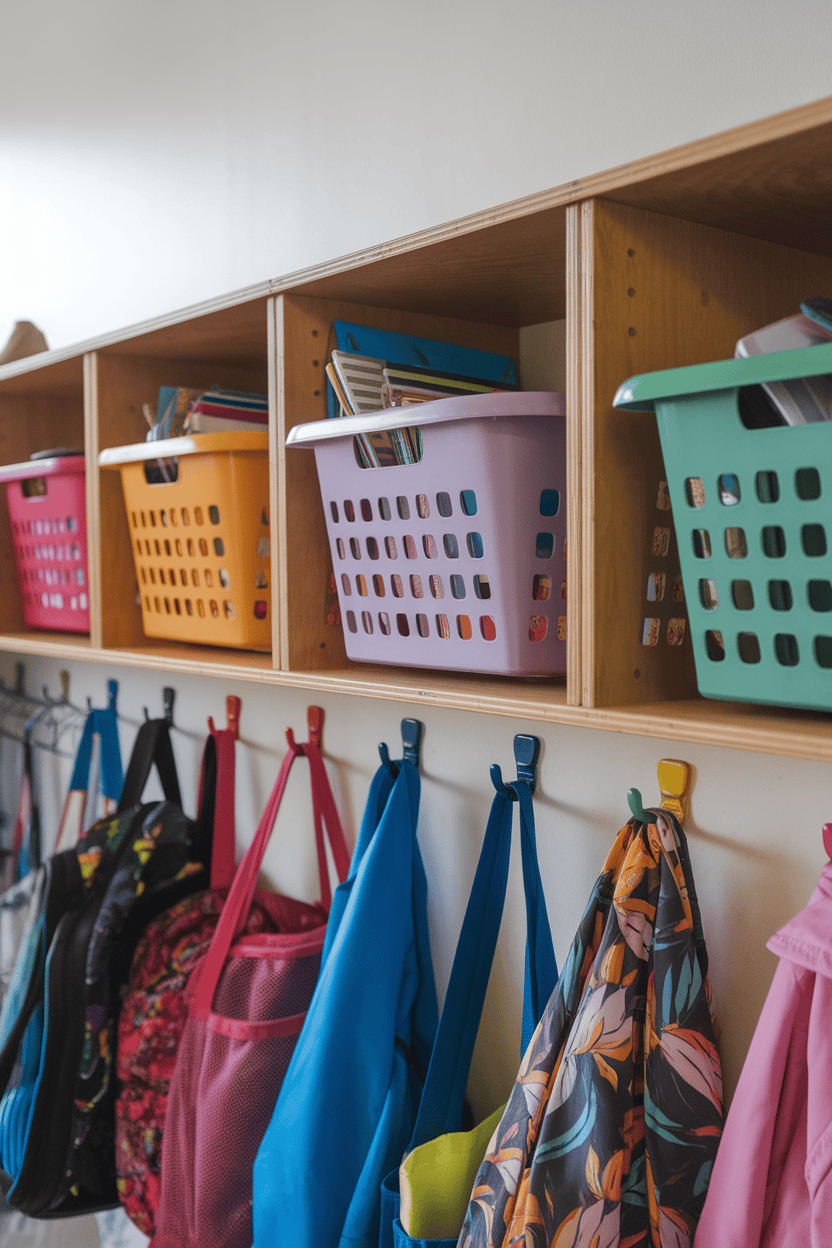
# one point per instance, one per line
(152, 748)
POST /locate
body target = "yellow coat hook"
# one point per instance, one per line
(675, 783)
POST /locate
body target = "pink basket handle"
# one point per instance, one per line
(235, 912)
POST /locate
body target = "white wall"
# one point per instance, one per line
(153, 155)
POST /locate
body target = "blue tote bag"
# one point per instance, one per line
(443, 1098)
(351, 1094)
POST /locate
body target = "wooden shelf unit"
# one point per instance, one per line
(660, 263)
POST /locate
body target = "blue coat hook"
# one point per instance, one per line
(526, 754)
(412, 731)
(412, 741)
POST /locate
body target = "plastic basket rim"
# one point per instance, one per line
(66, 465)
(490, 406)
(642, 392)
(190, 444)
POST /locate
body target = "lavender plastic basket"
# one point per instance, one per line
(458, 560)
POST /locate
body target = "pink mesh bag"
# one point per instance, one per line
(248, 998)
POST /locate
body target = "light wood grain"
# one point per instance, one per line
(276, 528)
(666, 292)
(508, 273)
(586, 385)
(93, 497)
(574, 458)
(309, 642)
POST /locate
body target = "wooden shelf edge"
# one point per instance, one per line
(49, 645)
(762, 730)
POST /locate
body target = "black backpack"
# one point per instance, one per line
(98, 898)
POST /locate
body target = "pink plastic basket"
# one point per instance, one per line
(458, 559)
(47, 509)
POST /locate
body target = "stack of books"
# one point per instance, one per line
(364, 384)
(183, 410)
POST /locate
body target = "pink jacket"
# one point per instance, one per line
(771, 1185)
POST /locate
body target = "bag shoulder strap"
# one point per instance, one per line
(152, 747)
(241, 894)
(443, 1095)
(102, 722)
(217, 787)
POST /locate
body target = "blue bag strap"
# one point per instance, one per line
(104, 722)
(444, 1092)
(541, 971)
(83, 756)
(106, 725)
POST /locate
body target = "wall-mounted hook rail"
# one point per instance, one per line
(42, 721)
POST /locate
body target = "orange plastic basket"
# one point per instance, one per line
(198, 513)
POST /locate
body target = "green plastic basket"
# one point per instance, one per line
(753, 521)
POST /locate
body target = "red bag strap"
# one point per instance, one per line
(323, 805)
(235, 912)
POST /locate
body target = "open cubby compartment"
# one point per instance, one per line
(501, 289)
(229, 348)
(659, 292)
(41, 408)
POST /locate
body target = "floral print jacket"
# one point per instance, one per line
(610, 1133)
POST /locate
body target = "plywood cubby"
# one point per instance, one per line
(477, 289)
(39, 410)
(229, 349)
(659, 292)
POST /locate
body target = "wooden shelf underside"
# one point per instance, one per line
(763, 729)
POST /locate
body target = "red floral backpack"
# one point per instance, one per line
(154, 1008)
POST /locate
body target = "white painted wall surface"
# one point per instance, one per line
(154, 155)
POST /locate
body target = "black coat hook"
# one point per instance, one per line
(168, 698)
